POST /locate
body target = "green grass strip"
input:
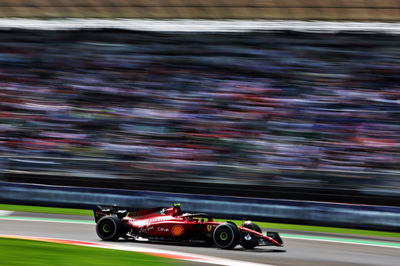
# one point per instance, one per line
(51, 210)
(44, 219)
(276, 226)
(27, 252)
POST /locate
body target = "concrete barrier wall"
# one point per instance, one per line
(207, 9)
(303, 212)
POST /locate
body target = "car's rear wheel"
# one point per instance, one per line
(249, 240)
(226, 236)
(109, 228)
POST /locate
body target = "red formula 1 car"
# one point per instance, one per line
(170, 225)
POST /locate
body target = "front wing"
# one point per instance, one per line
(271, 239)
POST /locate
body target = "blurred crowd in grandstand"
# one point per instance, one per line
(262, 106)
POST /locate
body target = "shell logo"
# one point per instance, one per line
(177, 230)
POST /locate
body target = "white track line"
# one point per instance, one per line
(199, 25)
(5, 213)
(198, 258)
(346, 241)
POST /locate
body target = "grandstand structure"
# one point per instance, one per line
(364, 10)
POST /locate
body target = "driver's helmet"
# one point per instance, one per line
(176, 209)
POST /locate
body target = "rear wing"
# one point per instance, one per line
(101, 211)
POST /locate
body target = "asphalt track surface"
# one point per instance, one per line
(295, 252)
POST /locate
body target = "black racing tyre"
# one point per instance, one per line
(249, 240)
(109, 228)
(226, 236)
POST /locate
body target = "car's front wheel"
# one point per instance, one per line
(226, 236)
(109, 228)
(249, 240)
